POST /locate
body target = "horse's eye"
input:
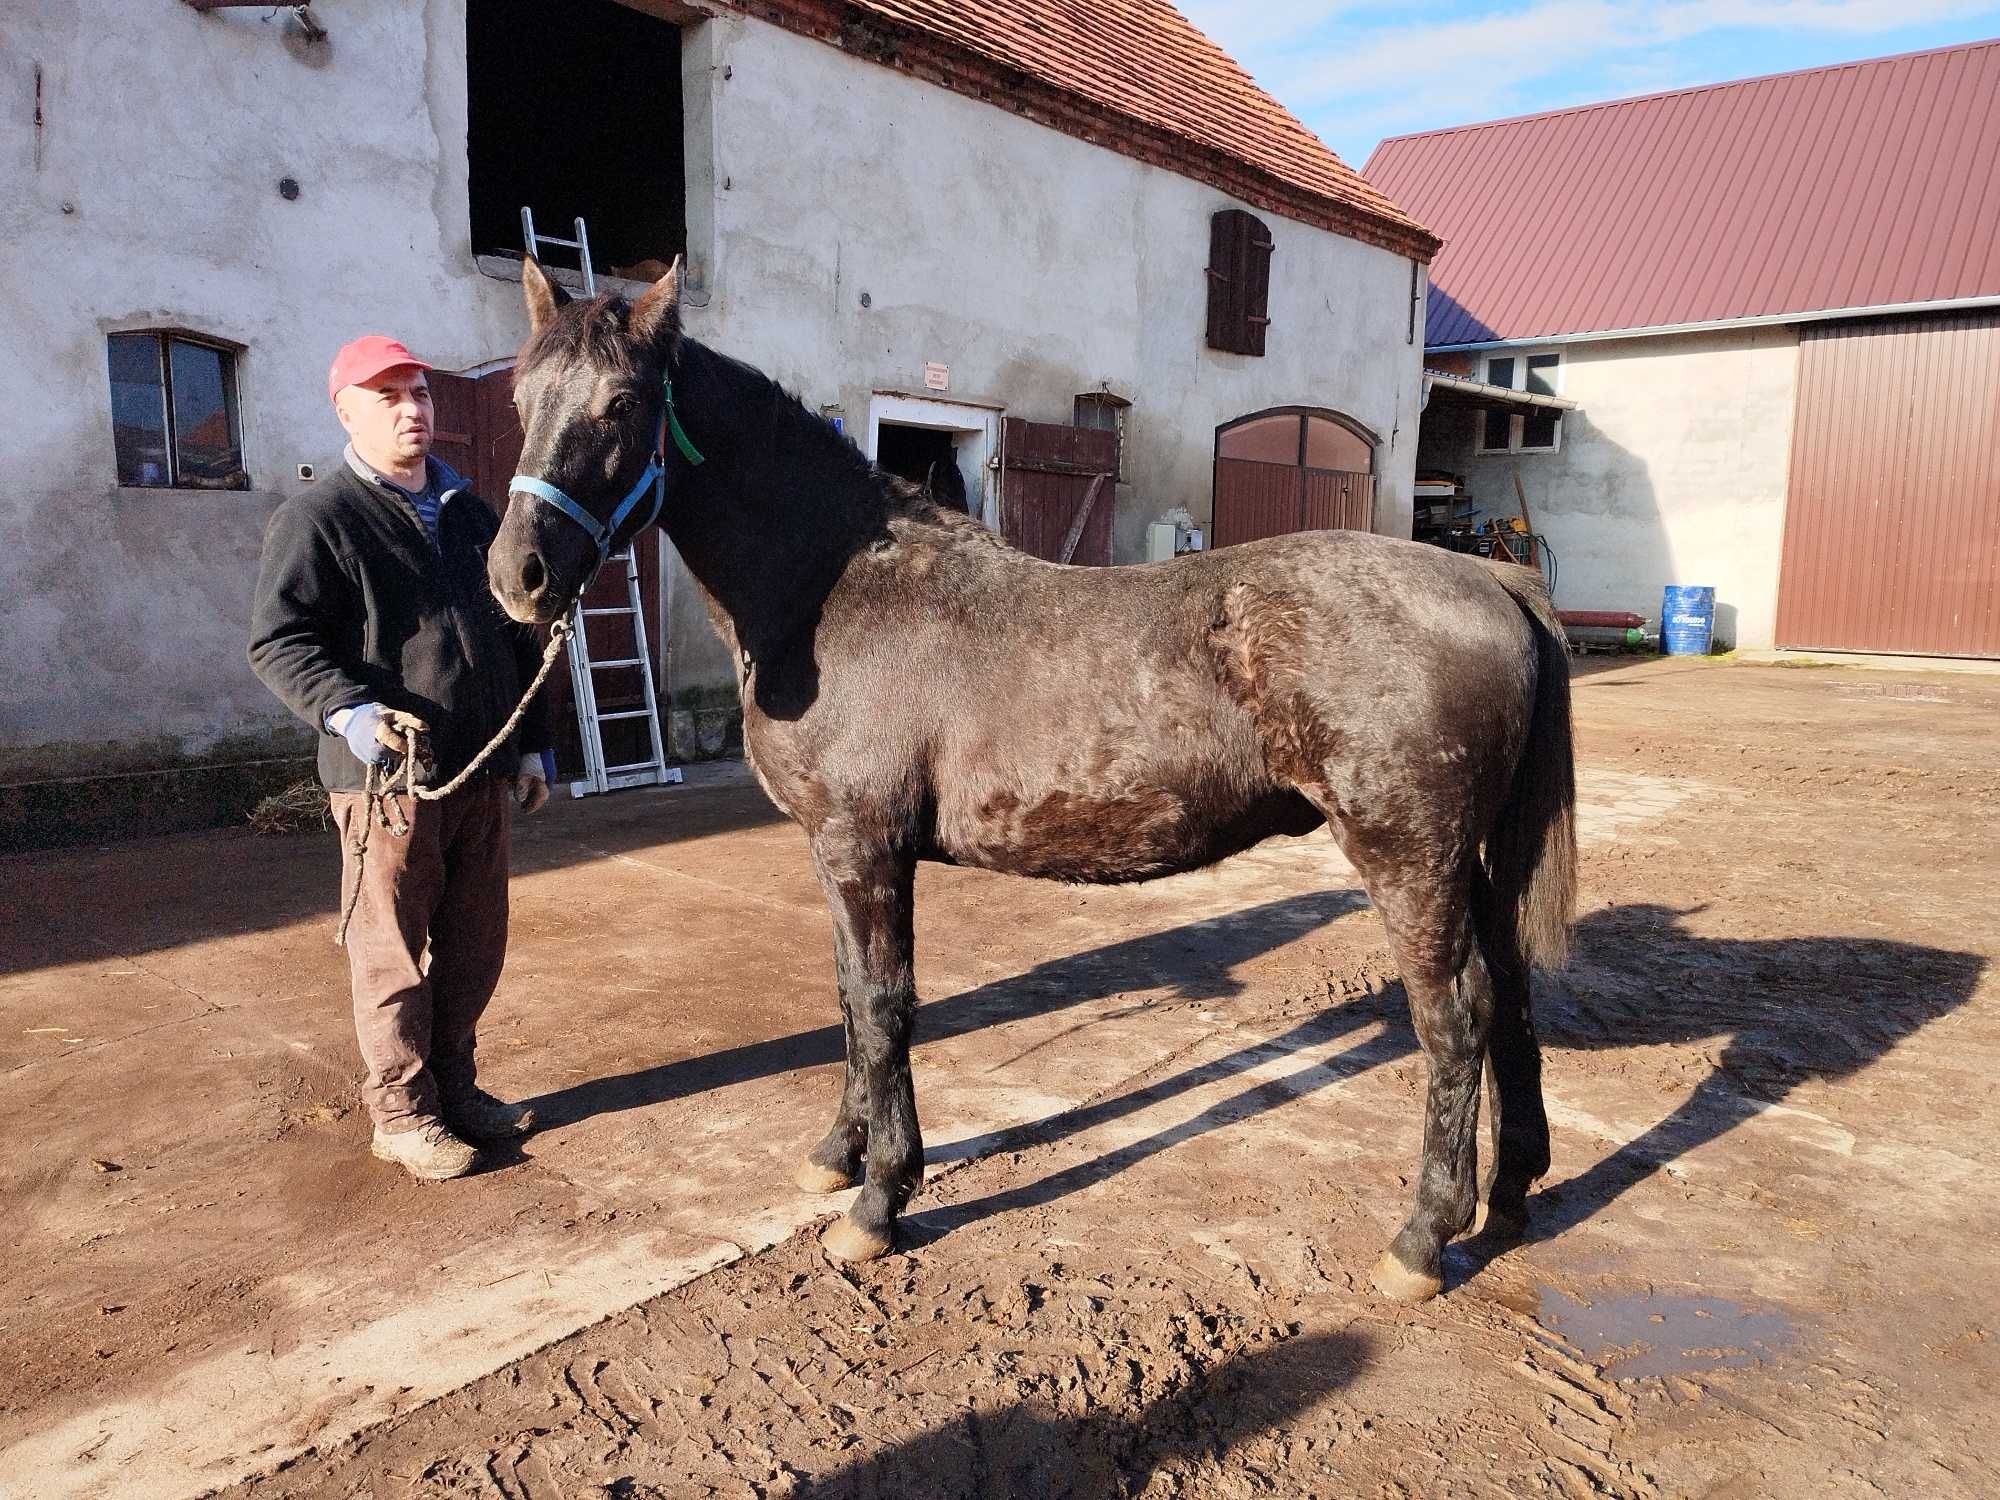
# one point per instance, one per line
(620, 408)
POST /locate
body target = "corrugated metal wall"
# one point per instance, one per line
(1892, 522)
(1255, 500)
(1339, 501)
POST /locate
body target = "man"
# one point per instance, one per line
(372, 616)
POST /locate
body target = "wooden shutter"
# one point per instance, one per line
(1239, 282)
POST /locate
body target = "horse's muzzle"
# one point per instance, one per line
(522, 584)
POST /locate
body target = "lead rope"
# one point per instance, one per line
(381, 806)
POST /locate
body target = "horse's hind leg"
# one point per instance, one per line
(1451, 1004)
(1422, 888)
(872, 892)
(1518, 1121)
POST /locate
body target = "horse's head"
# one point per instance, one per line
(592, 386)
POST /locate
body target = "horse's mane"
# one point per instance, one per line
(598, 333)
(805, 437)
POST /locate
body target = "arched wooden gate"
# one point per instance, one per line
(1292, 469)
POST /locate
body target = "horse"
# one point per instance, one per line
(915, 689)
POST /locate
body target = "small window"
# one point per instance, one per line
(1105, 413)
(1239, 282)
(1536, 430)
(174, 420)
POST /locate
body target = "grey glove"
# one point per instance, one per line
(376, 735)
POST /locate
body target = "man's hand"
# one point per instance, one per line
(378, 736)
(531, 784)
(396, 728)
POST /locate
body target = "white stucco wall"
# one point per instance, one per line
(151, 200)
(1672, 470)
(1034, 265)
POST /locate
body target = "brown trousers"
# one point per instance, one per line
(444, 885)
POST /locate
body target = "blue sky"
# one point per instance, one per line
(1356, 71)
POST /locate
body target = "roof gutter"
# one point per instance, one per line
(1493, 395)
(1714, 325)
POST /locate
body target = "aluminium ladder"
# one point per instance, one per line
(590, 719)
(581, 245)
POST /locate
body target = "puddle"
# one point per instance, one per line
(1632, 1337)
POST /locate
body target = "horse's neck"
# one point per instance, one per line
(767, 524)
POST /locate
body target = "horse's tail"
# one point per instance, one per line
(1531, 852)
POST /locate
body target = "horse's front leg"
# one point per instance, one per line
(871, 891)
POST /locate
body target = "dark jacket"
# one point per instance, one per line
(354, 605)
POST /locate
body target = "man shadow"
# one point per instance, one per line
(1027, 1450)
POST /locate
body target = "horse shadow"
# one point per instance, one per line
(1774, 1013)
(1196, 961)
(1027, 1449)
(1777, 1012)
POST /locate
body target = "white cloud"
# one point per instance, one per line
(1372, 79)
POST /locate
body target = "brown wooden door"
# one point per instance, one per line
(1058, 490)
(479, 434)
(1892, 516)
(454, 413)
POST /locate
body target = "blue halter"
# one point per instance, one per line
(654, 479)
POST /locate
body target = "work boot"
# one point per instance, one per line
(430, 1151)
(478, 1116)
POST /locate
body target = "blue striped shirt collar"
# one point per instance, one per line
(441, 482)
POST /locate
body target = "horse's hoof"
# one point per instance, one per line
(811, 1177)
(1399, 1283)
(846, 1240)
(1508, 1223)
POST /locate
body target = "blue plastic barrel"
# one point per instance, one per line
(1687, 620)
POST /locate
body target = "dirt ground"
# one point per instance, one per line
(1169, 1128)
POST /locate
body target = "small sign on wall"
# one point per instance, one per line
(937, 377)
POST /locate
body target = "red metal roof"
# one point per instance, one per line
(1136, 62)
(1869, 184)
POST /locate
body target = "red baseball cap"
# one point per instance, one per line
(365, 358)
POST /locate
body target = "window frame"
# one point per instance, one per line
(230, 356)
(1518, 381)
(1103, 401)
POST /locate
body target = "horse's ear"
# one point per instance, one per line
(656, 317)
(543, 295)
